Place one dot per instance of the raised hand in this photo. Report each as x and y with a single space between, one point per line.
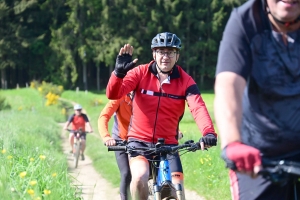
124 61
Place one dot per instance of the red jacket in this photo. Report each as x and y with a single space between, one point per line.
157 109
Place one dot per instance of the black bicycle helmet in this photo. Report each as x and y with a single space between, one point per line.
166 39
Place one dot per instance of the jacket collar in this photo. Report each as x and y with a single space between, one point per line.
174 74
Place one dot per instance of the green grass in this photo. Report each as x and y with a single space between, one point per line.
204 171
32 163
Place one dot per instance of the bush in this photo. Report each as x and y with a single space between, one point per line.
3 104
49 91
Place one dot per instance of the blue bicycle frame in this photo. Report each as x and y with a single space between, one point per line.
162 186
162 179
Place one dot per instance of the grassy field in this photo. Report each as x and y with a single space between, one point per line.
32 163
204 170
33 146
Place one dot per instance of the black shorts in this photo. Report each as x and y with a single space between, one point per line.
243 187
82 136
174 160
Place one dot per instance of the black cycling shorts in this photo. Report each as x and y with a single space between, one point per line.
174 160
82 136
243 187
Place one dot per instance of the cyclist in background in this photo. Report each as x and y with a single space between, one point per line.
257 93
121 109
161 89
78 121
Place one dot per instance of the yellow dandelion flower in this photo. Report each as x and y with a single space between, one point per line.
42 157
9 157
40 89
30 191
37 198
201 160
20 108
33 183
31 159
54 174
23 174
3 151
48 96
47 192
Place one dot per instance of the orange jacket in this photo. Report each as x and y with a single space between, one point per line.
123 111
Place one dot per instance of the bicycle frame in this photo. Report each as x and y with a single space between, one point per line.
77 145
162 181
77 148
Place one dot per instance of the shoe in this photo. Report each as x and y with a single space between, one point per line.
82 157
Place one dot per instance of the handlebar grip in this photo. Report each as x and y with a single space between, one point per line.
116 148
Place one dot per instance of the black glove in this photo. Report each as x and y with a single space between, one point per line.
209 140
123 65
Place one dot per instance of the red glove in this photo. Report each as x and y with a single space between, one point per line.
241 157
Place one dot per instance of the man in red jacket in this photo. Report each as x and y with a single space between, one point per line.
161 89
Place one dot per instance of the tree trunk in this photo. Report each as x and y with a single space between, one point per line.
84 76
202 69
98 78
3 79
110 70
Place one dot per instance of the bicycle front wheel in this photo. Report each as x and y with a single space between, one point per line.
76 154
150 188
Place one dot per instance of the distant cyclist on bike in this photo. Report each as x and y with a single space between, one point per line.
161 89
257 102
121 110
78 120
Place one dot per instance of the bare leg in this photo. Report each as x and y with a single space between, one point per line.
71 140
139 168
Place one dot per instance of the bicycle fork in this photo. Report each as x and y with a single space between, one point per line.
164 181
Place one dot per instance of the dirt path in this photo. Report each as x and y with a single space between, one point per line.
93 186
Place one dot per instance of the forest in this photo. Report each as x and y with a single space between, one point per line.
74 43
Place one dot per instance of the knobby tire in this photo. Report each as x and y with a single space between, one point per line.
77 153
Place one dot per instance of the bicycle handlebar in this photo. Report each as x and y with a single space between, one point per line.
190 145
73 131
116 148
